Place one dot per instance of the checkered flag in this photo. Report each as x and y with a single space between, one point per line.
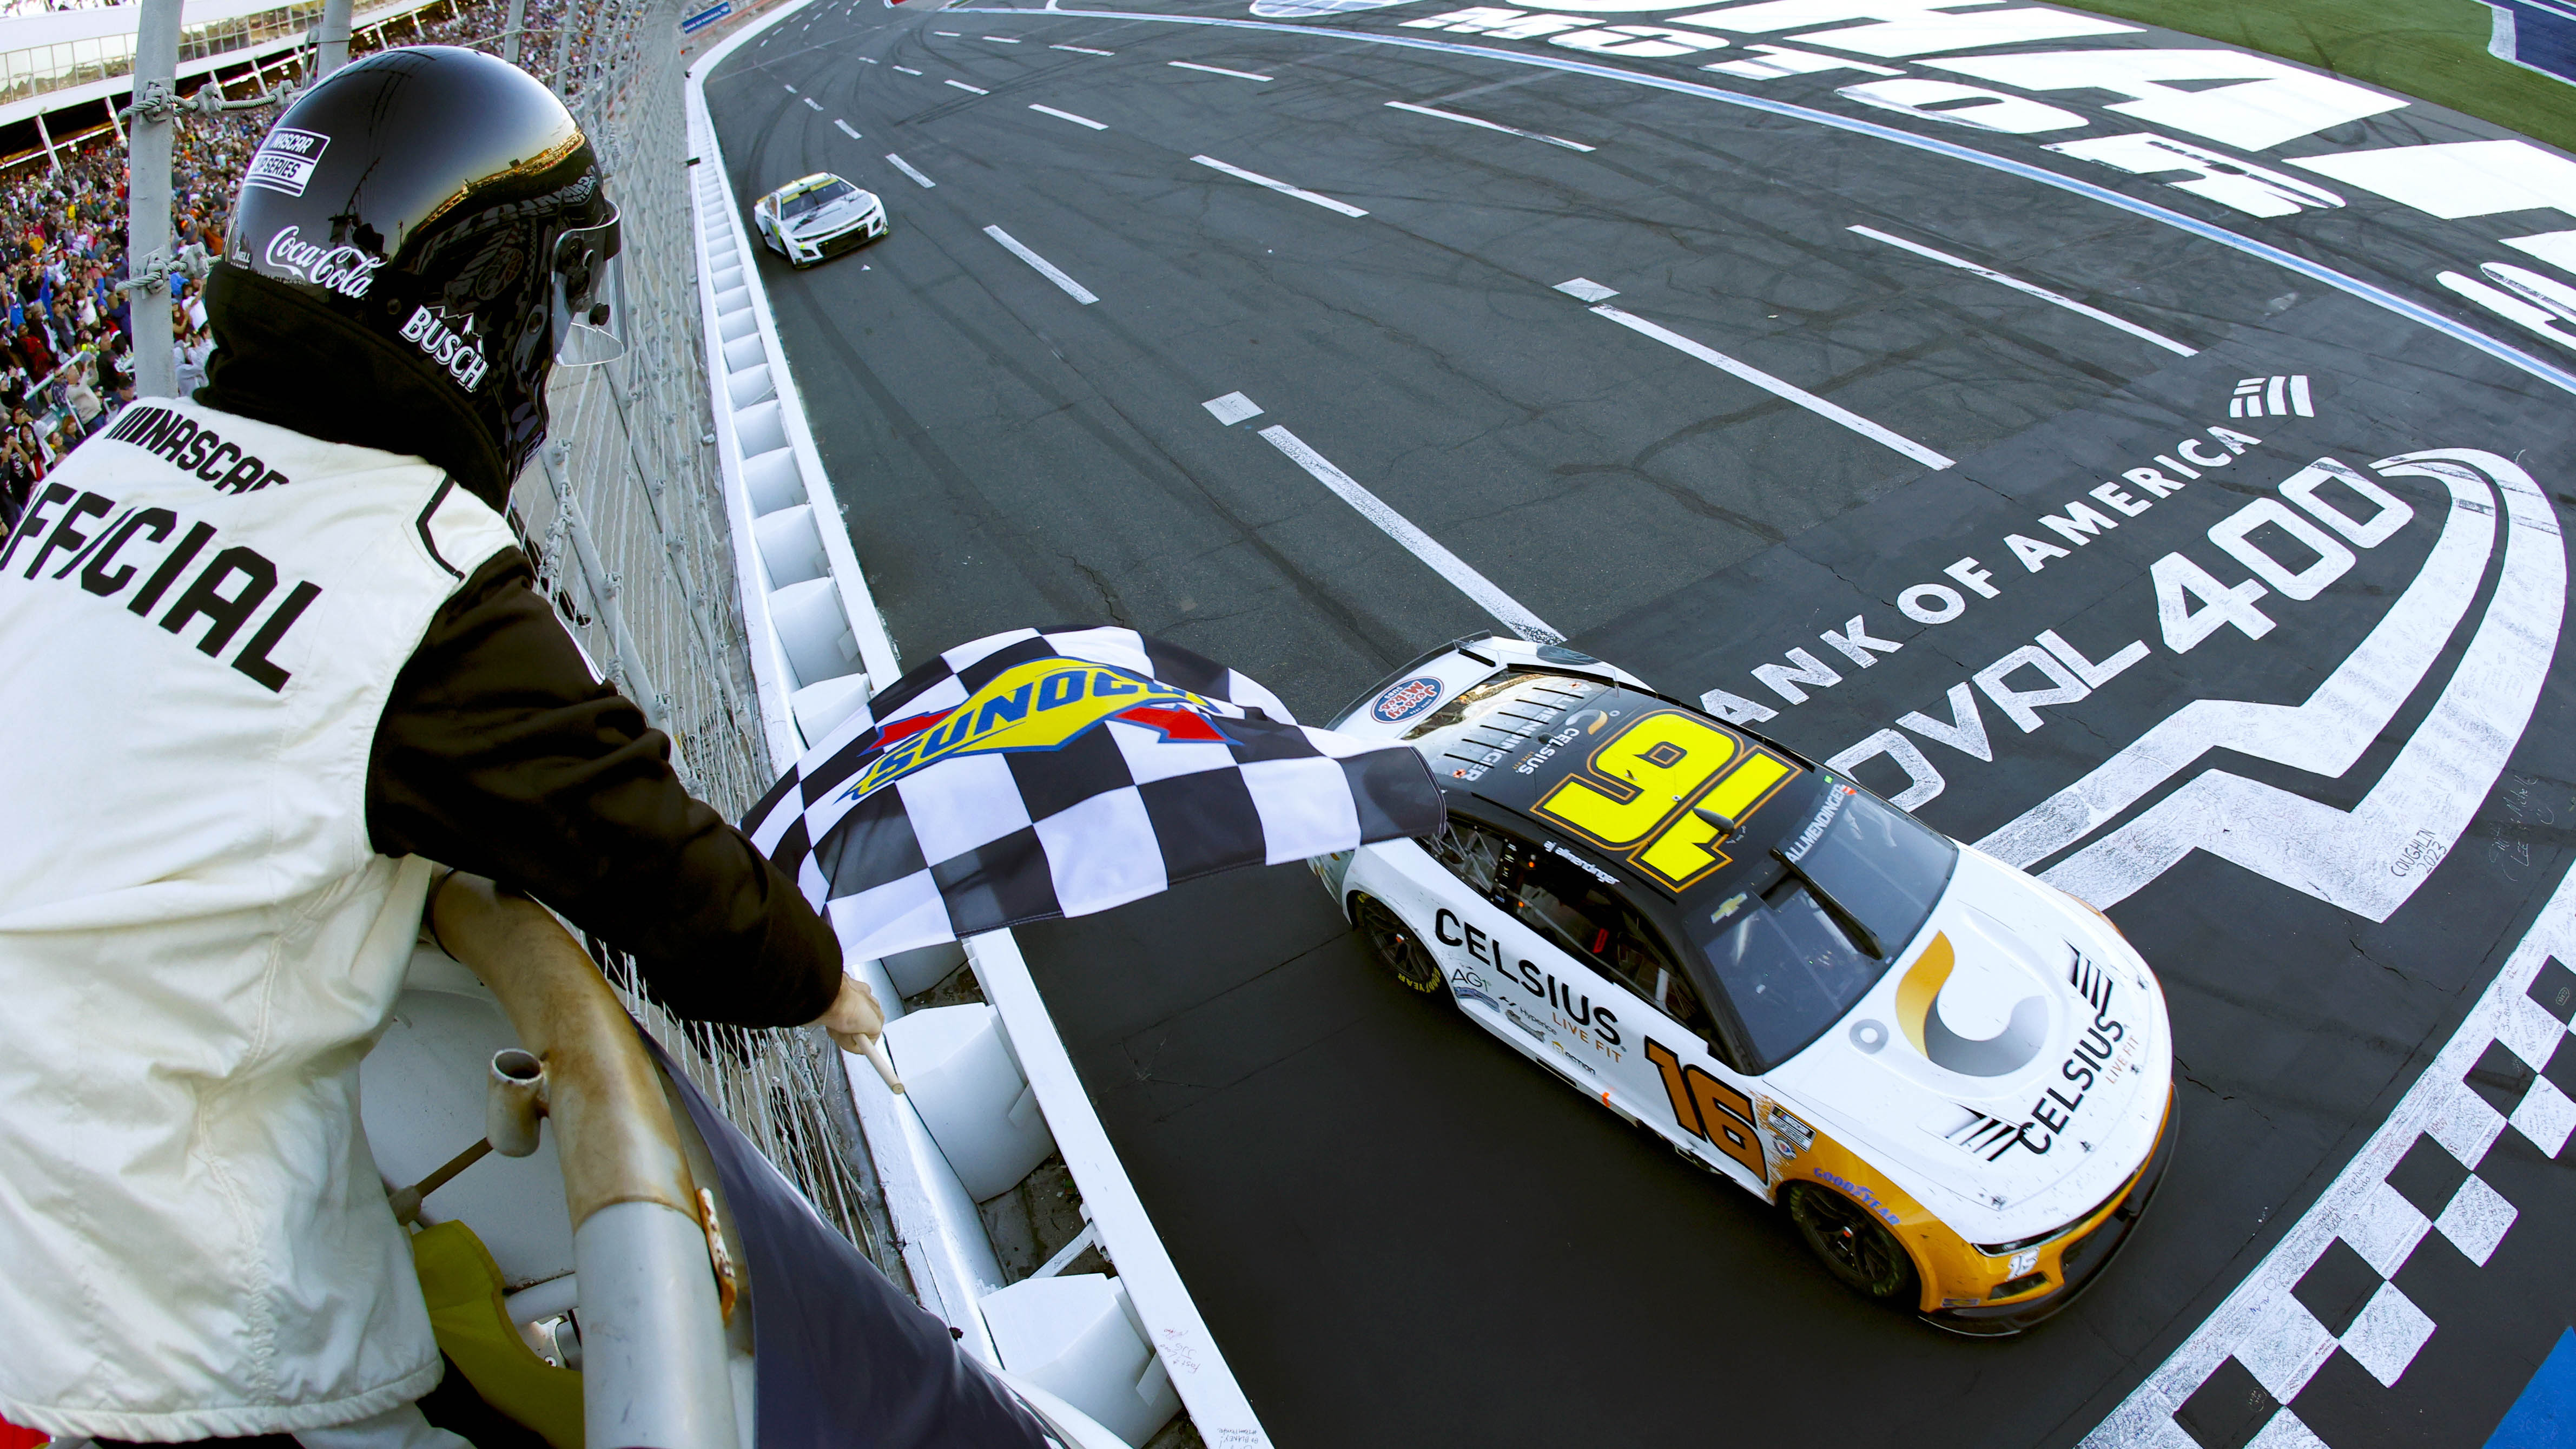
1033 774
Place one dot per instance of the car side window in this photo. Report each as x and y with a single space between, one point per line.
1472 853
1587 918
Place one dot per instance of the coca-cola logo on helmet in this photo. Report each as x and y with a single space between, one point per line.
342 269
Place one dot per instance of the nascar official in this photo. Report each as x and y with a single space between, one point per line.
265 655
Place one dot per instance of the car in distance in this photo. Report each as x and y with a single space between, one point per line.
818 216
1956 1079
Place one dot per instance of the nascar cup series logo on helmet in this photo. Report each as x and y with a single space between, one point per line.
342 269
1044 704
285 160
1406 700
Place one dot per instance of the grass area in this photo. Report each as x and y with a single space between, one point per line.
2432 49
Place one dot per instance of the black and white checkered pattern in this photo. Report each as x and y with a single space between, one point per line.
982 840
2330 1291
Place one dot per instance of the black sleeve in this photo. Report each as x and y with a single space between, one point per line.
499 754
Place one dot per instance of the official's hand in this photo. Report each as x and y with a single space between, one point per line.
855 1023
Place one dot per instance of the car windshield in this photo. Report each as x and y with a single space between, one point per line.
1852 883
821 196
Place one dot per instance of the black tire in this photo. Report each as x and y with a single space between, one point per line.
1853 1245
1396 946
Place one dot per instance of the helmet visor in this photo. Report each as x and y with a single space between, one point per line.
589 289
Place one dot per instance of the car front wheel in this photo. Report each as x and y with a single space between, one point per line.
1396 946
1853 1245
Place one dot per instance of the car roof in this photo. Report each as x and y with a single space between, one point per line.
1503 748
803 184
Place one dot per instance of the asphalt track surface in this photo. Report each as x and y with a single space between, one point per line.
1399 1231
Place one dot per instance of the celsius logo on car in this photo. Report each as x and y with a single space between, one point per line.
1918 1016
345 270
430 333
1406 700
285 160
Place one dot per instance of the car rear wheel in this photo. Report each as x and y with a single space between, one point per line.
1397 946
1853 1245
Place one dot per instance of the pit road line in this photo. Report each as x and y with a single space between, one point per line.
1068 116
1282 187
1789 391
1217 70
1506 609
2029 289
1045 268
1494 126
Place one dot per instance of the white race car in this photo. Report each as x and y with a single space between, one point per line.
1956 1079
818 216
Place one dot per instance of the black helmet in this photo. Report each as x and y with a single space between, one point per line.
442 205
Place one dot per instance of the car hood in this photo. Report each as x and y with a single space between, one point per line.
832 218
2010 1071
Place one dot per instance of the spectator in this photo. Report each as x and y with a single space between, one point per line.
83 400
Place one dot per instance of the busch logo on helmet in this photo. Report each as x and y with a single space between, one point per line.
431 334
345 270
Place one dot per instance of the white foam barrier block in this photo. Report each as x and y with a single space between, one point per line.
751 385
760 429
738 325
1077 1337
789 546
745 352
914 972
814 630
820 707
771 482
958 1069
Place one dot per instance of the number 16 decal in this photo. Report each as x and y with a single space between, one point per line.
1709 1109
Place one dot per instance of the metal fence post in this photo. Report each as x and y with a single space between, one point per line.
147 213
332 39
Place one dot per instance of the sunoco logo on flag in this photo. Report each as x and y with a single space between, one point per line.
1037 774
1041 705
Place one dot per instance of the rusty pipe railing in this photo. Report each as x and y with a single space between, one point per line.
652 1332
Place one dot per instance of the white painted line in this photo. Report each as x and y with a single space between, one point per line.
951 34
791 90
1217 70
1490 125
1778 388
1232 408
1045 268
870 59
905 167
1421 545
1587 289
845 128
961 85
1068 116
907 70
1179 1334
1282 187
1082 50
809 100
998 39
2028 289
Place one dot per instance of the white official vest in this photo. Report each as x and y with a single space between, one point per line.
200 621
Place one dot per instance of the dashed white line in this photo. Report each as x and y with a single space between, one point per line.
951 34
961 85
999 39
1232 408
870 59
1045 268
1282 187
1068 116
1490 125
809 100
1217 70
791 90
1832 412
1421 545
845 128
2028 289
1082 50
905 167
907 70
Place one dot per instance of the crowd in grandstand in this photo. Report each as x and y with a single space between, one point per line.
66 334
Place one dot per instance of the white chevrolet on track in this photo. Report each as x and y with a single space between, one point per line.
818 216
1956 1079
